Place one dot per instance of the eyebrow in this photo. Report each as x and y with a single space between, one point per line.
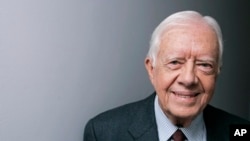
207 60
170 57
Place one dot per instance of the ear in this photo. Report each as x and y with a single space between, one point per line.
219 69
150 68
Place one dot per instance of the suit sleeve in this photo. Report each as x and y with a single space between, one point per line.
89 133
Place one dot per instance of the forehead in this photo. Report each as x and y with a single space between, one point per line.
193 39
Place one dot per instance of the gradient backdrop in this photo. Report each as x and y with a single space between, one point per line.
64 61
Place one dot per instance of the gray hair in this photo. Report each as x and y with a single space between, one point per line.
181 18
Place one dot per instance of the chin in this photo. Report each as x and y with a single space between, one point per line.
186 113
183 119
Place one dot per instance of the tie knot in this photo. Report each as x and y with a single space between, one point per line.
178 136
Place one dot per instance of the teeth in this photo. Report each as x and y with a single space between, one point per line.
184 96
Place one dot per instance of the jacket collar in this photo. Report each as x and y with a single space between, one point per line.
143 127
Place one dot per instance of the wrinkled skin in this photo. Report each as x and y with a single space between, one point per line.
185 72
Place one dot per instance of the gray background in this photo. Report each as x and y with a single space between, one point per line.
64 61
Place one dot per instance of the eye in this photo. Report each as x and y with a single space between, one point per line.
206 67
174 64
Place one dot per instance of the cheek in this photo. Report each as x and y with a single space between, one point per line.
162 81
208 84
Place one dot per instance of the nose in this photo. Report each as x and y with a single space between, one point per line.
188 76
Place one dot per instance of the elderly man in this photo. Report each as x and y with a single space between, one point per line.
183 63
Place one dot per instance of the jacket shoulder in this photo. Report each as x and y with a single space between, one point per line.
218 123
124 112
115 123
214 115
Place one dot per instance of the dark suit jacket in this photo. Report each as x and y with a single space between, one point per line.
136 122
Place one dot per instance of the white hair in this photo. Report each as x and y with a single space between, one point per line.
182 18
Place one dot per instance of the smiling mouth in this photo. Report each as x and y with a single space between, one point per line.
186 95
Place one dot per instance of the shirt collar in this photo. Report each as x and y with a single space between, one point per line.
195 132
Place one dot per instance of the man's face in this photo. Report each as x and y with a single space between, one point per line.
185 71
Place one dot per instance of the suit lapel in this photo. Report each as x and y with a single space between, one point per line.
143 127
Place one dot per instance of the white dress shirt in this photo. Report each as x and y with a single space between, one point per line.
195 132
